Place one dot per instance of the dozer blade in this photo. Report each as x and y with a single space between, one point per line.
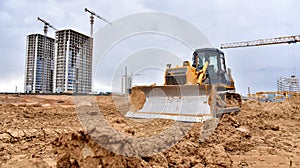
187 103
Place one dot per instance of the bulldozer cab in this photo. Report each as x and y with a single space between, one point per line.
216 70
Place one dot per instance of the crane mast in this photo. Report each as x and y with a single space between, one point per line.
260 42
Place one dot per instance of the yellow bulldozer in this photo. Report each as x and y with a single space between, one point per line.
192 92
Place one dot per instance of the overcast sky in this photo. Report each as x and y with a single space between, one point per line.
221 21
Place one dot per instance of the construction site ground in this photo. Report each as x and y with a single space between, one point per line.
44 131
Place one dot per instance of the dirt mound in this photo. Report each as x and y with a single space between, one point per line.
78 150
260 135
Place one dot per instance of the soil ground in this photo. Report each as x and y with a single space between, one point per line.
45 131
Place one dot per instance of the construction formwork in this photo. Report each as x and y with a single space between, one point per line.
39 64
73 62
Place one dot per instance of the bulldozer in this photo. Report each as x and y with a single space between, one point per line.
192 92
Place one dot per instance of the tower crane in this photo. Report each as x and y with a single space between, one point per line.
260 42
45 59
92 19
46 25
91 29
269 41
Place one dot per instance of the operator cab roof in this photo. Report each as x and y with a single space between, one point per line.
208 49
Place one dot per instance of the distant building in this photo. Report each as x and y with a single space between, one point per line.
288 84
39 64
73 62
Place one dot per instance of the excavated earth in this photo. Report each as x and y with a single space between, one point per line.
45 131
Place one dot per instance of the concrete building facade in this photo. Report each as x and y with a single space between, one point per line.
39 64
73 62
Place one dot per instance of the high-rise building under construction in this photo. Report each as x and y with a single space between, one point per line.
285 84
39 64
73 62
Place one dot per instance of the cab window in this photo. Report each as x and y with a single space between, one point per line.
213 62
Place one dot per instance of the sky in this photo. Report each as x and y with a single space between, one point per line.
221 21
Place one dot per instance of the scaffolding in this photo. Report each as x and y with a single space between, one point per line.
73 62
39 64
